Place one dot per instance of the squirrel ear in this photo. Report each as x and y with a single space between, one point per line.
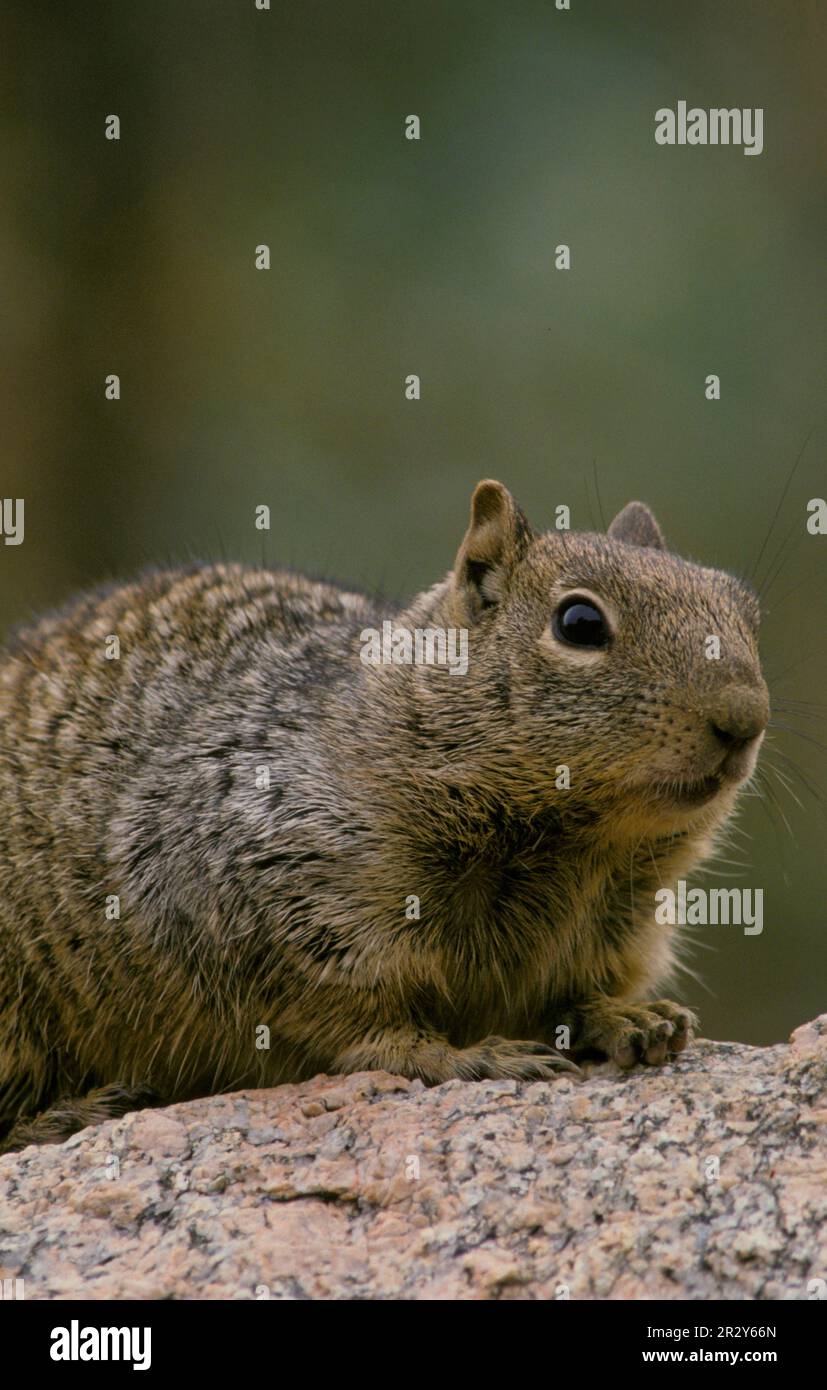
636 526
497 537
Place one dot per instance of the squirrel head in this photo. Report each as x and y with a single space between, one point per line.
636 670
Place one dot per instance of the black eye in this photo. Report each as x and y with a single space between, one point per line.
578 621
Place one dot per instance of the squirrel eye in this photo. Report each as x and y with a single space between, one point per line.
578 622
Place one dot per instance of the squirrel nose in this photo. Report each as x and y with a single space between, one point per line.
739 715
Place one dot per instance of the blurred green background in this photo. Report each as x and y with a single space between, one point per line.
240 386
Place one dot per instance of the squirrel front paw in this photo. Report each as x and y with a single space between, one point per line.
632 1033
500 1059
432 1059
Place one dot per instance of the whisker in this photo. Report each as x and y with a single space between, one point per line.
792 766
755 568
800 713
786 784
777 602
776 678
808 738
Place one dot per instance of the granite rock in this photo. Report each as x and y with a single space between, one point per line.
706 1178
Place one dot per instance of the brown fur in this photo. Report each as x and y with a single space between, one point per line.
285 905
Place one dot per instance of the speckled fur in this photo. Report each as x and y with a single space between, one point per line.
285 906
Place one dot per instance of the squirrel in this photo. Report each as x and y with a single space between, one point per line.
215 840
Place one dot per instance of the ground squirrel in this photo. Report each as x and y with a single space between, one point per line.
263 806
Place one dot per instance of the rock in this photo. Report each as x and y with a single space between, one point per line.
703 1179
